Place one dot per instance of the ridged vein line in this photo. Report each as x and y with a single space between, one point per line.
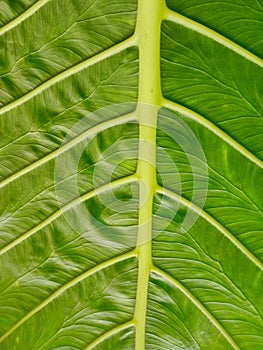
65 147
199 28
68 285
67 207
198 304
148 28
215 130
109 334
26 14
68 72
213 222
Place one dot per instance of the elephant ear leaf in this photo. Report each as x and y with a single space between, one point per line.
131 174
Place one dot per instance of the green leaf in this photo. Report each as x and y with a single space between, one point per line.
131 174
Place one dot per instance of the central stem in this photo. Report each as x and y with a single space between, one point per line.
150 15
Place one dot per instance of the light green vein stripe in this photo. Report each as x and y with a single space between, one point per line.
197 27
67 207
150 15
213 222
109 334
82 137
29 12
210 126
67 286
67 73
198 304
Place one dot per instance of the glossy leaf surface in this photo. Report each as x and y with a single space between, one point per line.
131 175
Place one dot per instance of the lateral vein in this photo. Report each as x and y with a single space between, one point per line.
197 27
198 304
108 334
68 72
216 130
26 14
65 287
64 209
90 132
213 222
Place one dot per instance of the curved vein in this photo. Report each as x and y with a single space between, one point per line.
212 127
109 334
131 117
67 207
65 287
68 72
197 27
212 222
198 304
26 14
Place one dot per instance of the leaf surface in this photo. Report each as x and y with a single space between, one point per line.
131 175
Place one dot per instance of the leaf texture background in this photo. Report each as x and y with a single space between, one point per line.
131 163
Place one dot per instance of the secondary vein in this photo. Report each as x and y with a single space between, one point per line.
26 14
217 131
197 27
68 72
198 304
108 334
65 287
65 147
66 208
212 222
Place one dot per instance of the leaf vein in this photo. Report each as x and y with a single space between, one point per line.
186 22
94 130
198 304
65 287
65 208
26 14
212 127
213 222
108 334
69 72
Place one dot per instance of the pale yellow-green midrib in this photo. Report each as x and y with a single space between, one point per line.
150 15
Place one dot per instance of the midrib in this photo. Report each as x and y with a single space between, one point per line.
150 15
